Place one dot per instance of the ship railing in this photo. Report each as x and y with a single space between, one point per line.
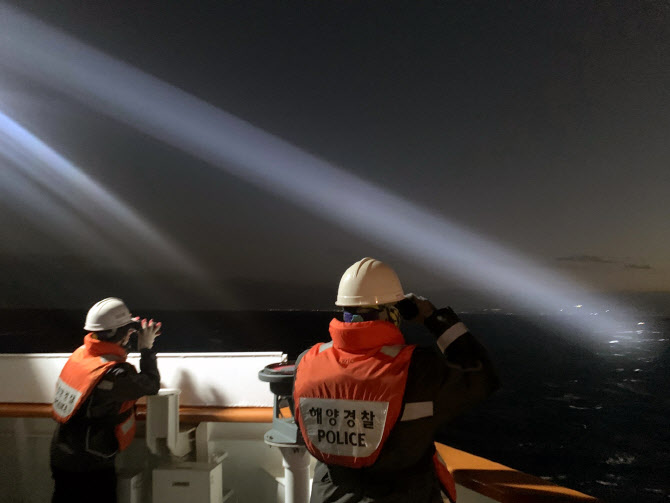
479 480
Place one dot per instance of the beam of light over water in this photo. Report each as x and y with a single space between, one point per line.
60 197
240 149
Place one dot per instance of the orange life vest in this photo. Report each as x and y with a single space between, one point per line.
81 374
349 393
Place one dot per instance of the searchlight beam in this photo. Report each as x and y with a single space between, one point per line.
242 150
56 194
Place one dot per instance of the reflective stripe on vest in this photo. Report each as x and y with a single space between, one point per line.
345 417
391 351
417 410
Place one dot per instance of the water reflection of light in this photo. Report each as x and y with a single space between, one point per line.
242 150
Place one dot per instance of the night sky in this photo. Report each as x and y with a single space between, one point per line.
540 126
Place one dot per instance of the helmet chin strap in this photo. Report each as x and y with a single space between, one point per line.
108 337
126 345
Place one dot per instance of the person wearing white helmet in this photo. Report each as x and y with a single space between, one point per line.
369 405
94 402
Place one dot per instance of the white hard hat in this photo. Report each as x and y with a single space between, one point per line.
108 314
367 283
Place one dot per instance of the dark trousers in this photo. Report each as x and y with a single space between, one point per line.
84 487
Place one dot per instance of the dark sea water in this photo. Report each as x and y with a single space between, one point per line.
587 410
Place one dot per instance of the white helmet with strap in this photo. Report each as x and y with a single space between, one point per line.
108 314
369 282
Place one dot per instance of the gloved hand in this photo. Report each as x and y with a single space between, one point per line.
415 308
148 333
444 319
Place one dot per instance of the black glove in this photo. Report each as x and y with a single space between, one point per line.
441 320
415 308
